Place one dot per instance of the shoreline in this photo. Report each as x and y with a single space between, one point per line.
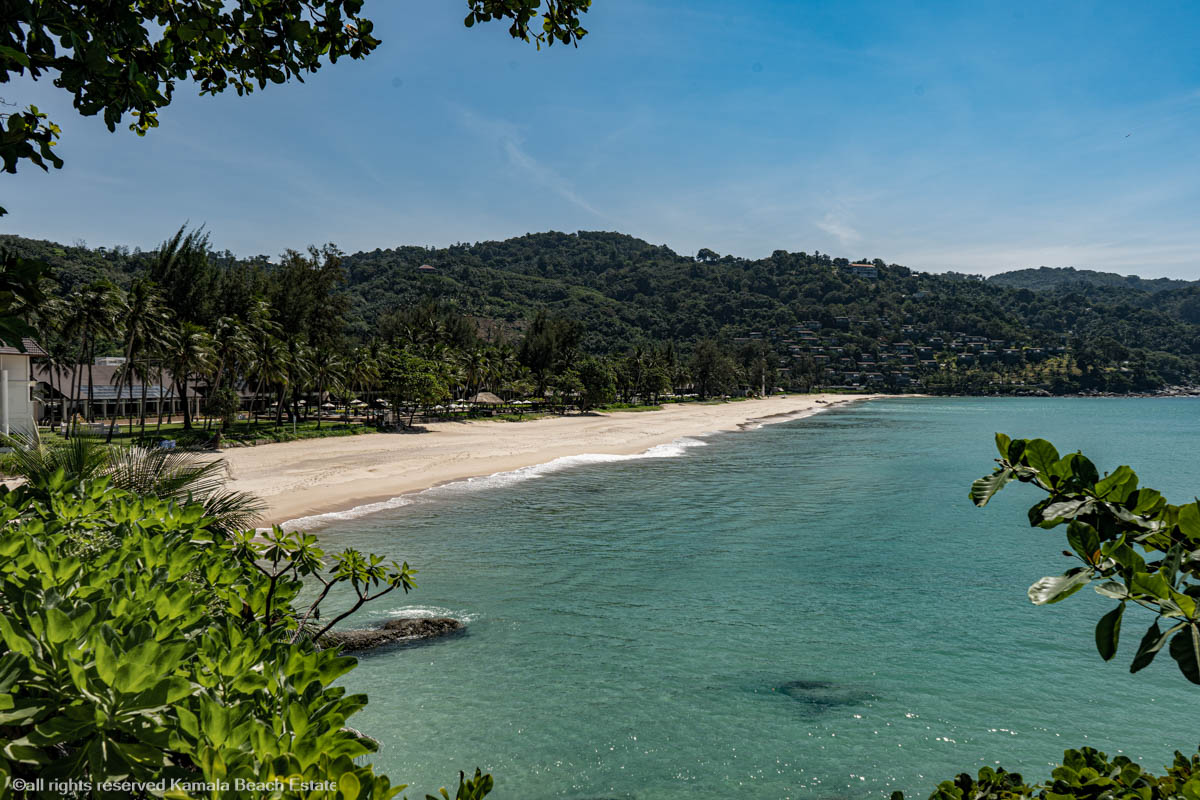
356 476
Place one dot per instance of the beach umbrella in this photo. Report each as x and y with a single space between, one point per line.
329 405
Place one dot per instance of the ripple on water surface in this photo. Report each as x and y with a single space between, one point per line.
812 609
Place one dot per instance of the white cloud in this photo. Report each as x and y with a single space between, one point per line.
836 225
512 142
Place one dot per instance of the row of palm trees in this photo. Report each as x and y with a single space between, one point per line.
251 364
238 363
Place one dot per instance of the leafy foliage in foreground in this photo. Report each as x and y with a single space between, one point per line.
1085 774
179 475
1113 527
139 644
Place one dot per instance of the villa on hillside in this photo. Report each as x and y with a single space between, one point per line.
16 394
862 270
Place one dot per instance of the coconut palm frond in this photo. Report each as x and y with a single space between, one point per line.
167 474
79 458
178 475
234 511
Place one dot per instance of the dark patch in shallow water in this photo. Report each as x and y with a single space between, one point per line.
819 696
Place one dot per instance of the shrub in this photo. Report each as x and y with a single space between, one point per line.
138 644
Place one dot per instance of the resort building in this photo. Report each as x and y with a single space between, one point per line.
17 413
67 388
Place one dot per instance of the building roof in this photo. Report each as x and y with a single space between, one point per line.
32 348
104 383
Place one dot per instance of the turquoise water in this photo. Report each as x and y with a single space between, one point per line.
812 609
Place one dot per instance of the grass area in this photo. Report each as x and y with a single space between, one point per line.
627 407
523 417
241 434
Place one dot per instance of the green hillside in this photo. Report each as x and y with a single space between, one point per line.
1043 278
818 317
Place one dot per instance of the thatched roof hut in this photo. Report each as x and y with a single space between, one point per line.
486 398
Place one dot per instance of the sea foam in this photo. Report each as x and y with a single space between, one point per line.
496 480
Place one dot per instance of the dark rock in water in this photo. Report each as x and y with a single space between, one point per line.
391 632
822 695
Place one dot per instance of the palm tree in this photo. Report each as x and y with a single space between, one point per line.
191 355
363 372
89 312
297 378
231 349
141 316
328 372
181 476
163 346
476 366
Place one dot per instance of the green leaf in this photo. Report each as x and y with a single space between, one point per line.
1108 632
58 626
348 786
23 752
1040 455
1055 588
1002 443
21 711
1153 585
15 55
1185 649
1083 540
1083 469
1113 589
983 489
106 662
1064 509
1118 486
1189 520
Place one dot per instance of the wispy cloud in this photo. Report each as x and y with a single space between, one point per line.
512 142
835 224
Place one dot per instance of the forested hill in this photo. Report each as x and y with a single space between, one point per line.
622 291
1043 278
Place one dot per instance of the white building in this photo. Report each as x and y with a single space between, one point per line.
16 388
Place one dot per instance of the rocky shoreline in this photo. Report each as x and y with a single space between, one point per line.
395 631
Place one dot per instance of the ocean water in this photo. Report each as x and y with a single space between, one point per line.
810 609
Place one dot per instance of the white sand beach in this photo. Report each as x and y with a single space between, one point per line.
318 476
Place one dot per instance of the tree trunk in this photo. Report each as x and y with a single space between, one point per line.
91 383
142 409
187 410
112 425
253 403
162 384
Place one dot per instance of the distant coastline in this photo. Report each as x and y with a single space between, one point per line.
352 476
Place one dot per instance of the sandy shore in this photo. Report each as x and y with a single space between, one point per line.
318 476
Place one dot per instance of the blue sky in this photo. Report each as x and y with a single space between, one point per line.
970 136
